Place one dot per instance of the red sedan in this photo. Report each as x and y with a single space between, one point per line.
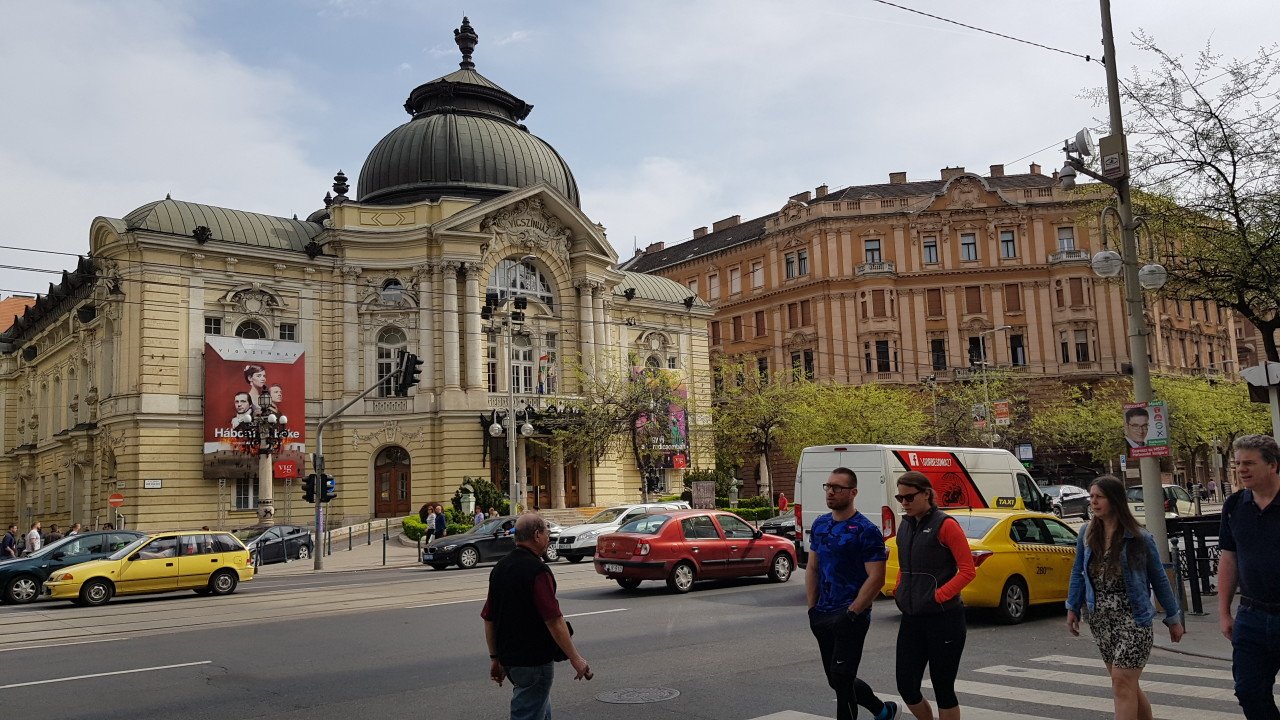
682 546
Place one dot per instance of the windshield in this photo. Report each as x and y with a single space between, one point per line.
975 526
607 516
649 525
1052 490
125 551
52 547
1134 493
488 527
248 535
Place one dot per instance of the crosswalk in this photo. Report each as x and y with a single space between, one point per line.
1064 687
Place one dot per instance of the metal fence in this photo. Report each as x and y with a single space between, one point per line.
1193 545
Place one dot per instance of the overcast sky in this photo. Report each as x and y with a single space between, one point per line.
671 114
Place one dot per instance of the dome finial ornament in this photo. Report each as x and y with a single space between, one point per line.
466 38
340 186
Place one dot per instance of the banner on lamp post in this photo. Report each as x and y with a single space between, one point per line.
1146 429
1002 410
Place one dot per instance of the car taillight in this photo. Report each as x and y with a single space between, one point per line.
888 521
799 524
1168 505
642 549
980 556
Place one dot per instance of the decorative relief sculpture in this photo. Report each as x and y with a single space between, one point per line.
527 225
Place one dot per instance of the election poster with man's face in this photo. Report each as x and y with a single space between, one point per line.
245 380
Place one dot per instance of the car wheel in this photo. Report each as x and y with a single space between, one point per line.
96 592
1013 601
628 583
573 558
780 569
681 578
223 583
1088 514
551 555
468 558
304 552
22 589
439 566
1057 510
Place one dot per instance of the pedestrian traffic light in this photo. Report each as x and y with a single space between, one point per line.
519 305
309 488
328 488
407 373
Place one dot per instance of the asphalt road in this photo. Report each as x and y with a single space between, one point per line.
409 643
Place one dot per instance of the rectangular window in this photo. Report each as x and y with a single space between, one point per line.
1193 310
973 299
877 303
693 286
1077 291
1065 346
713 286
968 246
802 262
735 281
246 494
715 332
790 262
212 326
793 316
933 301
757 275
1012 297
938 352
737 328
866 355
1008 245
386 366
1082 346
288 331
797 365
808 365
977 350
930 250
760 323
872 251
762 368
1017 351
806 313
882 356
492 372
1066 238
671 363
1059 294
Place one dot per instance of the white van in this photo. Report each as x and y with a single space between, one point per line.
961 477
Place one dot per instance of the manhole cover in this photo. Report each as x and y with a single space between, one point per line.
623 696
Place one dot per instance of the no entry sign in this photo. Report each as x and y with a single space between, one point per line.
116 500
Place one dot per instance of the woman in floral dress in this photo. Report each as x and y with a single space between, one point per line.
1117 567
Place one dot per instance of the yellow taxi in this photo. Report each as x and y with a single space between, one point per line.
208 562
1022 558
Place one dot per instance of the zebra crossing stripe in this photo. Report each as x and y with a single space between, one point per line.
1179 670
1083 702
970 713
1102 681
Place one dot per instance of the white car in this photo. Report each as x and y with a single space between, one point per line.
579 541
1177 502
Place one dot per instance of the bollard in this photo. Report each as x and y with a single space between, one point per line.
348 538
368 533
384 549
1193 570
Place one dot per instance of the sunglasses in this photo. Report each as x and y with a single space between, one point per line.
908 497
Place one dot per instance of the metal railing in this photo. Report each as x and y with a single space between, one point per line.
1194 551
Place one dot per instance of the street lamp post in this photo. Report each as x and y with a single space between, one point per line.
986 388
269 430
509 314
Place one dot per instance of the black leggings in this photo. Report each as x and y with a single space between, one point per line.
840 638
936 641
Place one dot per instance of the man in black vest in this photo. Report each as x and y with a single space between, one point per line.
523 626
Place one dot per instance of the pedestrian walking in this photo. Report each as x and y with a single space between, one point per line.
9 544
53 534
75 529
493 513
523 626
1247 561
845 573
935 565
442 522
430 522
479 517
1116 569
35 540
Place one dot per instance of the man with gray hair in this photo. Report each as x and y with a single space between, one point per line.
1247 539
523 625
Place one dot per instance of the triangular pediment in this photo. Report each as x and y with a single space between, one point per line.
537 217
967 192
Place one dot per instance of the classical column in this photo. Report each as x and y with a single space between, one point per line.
452 349
350 333
601 326
586 492
557 476
471 328
426 324
522 471
586 331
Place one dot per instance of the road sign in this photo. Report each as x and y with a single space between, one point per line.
116 500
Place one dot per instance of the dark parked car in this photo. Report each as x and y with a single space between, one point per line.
783 525
20 578
489 541
276 543
1068 500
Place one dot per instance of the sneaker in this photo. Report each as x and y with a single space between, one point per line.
890 711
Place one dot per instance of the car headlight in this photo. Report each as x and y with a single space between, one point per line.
447 548
59 577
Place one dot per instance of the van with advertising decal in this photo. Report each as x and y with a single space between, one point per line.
961 477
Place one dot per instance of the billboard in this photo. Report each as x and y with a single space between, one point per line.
244 380
665 436
1146 429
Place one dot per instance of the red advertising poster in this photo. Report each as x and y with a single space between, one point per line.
951 482
245 383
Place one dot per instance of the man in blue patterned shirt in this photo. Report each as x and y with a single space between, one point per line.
845 573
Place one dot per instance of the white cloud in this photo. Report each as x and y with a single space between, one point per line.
514 37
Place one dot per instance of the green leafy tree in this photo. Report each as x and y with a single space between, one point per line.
959 404
1204 415
487 495
1084 418
830 414
747 415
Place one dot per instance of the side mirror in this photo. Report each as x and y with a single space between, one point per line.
757 534
135 556
58 555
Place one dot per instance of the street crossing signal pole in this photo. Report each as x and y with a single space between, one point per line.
407 367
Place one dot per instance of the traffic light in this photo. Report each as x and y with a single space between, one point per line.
309 488
519 304
407 372
328 488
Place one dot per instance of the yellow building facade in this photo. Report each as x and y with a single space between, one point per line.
102 388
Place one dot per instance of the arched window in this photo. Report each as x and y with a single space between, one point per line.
523 278
392 292
653 362
391 340
251 330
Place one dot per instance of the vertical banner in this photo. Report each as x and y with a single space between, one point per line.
1003 410
1146 429
245 380
666 434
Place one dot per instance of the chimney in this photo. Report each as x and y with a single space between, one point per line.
699 232
897 178
820 191
997 171
1035 169
655 247
952 172
803 197
728 222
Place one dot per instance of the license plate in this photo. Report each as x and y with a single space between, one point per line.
427 556
613 568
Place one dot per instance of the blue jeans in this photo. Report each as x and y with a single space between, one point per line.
531 691
1255 660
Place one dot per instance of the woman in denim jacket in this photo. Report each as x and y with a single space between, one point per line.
1117 567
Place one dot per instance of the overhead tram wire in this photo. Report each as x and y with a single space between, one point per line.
975 28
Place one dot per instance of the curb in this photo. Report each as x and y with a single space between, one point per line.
1180 651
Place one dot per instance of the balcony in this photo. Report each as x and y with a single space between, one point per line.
394 405
871 269
1068 256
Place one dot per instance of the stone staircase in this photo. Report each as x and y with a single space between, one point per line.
569 516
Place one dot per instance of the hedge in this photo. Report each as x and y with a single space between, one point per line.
415 529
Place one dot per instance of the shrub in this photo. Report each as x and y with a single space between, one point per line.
487 495
414 528
758 501
457 528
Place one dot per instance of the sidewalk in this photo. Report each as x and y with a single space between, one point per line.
363 555
1203 639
